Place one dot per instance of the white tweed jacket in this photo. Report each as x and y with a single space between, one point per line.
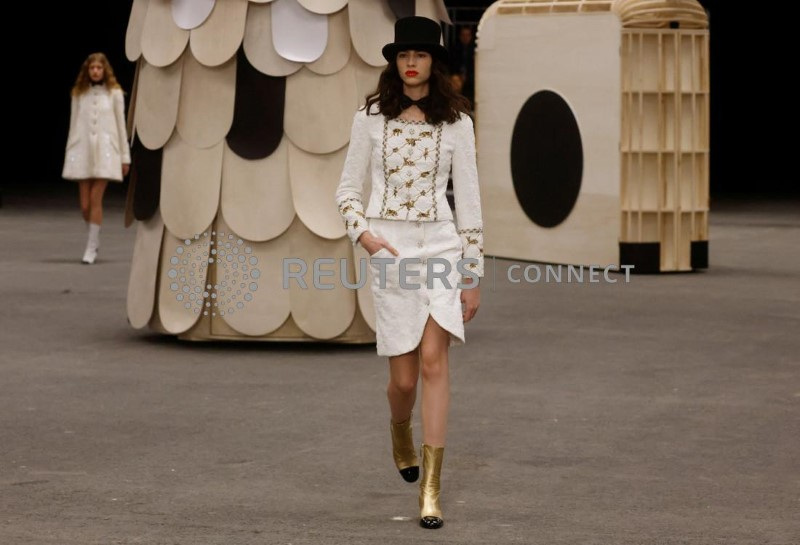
409 164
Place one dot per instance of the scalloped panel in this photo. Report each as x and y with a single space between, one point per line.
130 127
249 285
298 34
257 127
128 217
182 273
190 186
324 7
130 119
314 179
367 77
375 23
258 45
162 40
432 9
205 111
319 109
320 313
189 14
157 95
144 271
256 195
337 52
133 34
217 40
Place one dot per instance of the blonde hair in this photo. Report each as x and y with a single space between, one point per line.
83 81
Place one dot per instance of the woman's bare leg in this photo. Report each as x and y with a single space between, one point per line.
435 383
402 388
84 192
98 189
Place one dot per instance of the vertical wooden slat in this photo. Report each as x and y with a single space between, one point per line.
640 128
678 146
693 181
624 195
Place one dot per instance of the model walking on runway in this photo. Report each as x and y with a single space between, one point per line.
411 134
97 145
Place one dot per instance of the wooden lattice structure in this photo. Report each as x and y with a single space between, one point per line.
665 134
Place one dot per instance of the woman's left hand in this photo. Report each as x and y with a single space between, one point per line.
125 169
471 299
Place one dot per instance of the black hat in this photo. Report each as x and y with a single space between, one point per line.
418 33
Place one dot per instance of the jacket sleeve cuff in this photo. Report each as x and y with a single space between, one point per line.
355 221
472 248
355 232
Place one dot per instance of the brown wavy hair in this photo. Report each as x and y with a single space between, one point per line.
83 81
445 102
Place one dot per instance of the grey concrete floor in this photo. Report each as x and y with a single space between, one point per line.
665 410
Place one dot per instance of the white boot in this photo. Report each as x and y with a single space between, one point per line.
92 245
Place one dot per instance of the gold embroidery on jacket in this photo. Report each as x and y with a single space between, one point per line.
410 170
472 240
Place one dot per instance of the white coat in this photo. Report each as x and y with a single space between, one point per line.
97 145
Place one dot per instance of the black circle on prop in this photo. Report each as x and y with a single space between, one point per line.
546 159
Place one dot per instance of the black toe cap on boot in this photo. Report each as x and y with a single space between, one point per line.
410 474
431 523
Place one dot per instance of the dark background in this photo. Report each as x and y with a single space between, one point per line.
748 96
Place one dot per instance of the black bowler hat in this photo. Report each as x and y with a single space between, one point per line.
418 33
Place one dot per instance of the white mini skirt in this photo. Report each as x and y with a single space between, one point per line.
401 312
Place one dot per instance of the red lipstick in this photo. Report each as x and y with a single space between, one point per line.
411 73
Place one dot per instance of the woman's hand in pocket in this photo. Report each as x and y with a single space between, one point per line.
373 244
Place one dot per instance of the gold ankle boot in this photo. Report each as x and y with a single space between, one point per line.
405 457
430 512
